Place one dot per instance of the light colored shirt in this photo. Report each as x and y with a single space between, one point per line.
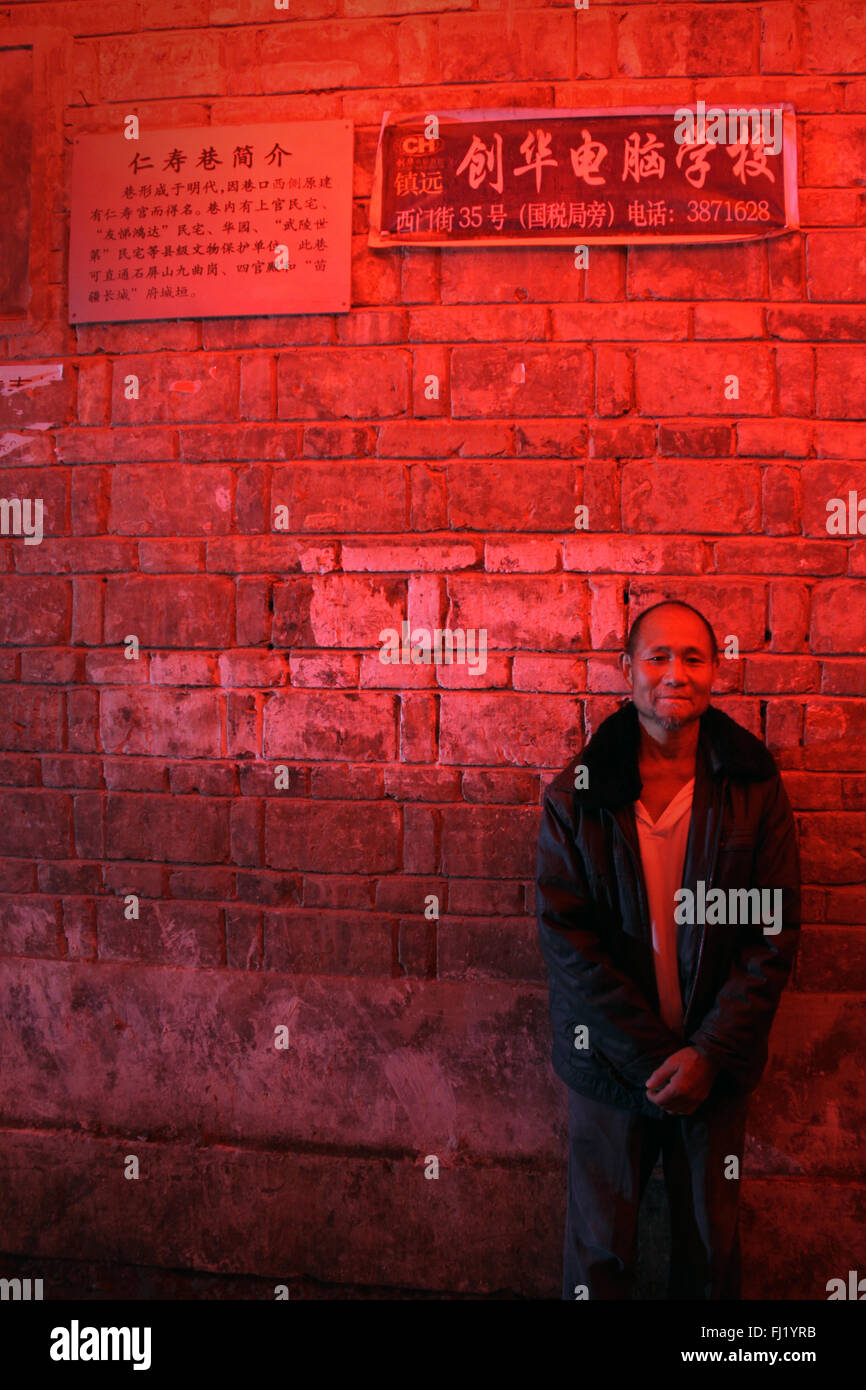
663 853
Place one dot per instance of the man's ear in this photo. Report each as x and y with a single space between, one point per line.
625 665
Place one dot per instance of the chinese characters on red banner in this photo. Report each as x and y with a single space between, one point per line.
560 176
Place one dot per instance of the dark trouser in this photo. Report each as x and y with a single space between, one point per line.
611 1156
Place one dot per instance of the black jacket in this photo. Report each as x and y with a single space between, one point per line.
594 926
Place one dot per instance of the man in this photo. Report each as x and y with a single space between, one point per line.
661 1014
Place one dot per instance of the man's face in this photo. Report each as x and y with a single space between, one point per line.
672 673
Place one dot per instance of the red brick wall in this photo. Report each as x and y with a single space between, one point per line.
306 906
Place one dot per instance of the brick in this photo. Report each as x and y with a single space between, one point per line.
528 613
32 719
431 375
782 675
483 841
330 724
420 840
622 439
475 675
781 501
170 557
823 23
337 610
478 47
366 327
321 836
607 614
151 65
840 383
30 928
244 943
755 555
523 380
37 824
844 677
515 273
630 322
79 929
550 439
167 933
429 498
795 374
484 896
297 56
774 438
327 943
690 496
170 501
414 783
194 611
19 771
359 383
701 441
34 611
685 40
509 787
341 497
699 272
605 273
379 675
838 616
443 323
175 387
175 724
257 396
412 556
521 730
208 779
496 496
521 557
418 737
251 489
835 737
185 829
334 891
613 381
838 439
595 44
319 669
817 323
416 949
780 49
555 673
691 379
833 846
489 948
437 439
786 267
832 151
88 597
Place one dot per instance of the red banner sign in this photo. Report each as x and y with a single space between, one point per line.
518 177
